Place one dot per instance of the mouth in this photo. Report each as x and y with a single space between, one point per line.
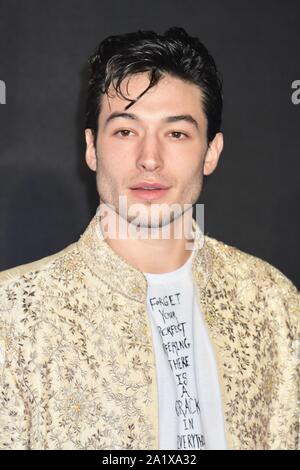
149 191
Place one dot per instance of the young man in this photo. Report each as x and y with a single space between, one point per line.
131 340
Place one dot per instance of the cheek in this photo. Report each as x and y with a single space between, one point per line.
189 174
111 158
113 172
116 154
187 165
191 180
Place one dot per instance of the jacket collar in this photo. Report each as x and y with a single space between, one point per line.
115 271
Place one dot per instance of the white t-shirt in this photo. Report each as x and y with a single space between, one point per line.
190 409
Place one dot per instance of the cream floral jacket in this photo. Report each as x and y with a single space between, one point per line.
77 363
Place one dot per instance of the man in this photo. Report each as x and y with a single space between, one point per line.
128 341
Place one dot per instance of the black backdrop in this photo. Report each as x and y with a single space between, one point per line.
47 193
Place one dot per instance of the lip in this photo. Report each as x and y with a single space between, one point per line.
148 184
149 195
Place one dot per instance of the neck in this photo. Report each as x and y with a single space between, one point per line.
152 250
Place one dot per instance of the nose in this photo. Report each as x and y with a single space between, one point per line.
149 154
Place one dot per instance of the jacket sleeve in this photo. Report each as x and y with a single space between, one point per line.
291 299
293 306
281 288
14 418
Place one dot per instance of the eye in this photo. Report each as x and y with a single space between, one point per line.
178 134
124 132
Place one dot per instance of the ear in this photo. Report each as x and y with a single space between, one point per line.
213 153
90 153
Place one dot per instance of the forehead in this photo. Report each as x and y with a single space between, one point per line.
170 96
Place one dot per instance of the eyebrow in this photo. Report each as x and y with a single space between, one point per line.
182 117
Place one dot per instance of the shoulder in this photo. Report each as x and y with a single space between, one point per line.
24 288
252 278
40 266
30 292
238 262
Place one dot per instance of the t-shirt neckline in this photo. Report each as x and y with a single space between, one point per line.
171 275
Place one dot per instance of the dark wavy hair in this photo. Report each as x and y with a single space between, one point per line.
175 53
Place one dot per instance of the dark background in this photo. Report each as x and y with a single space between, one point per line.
48 194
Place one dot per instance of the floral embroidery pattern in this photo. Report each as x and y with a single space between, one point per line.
77 369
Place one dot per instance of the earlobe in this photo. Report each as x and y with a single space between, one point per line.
90 153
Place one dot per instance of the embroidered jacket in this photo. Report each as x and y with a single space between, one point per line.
77 363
